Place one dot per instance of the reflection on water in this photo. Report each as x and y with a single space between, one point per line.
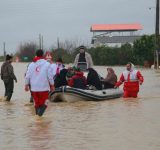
123 124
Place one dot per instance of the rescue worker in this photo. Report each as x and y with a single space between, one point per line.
131 78
48 57
56 69
39 78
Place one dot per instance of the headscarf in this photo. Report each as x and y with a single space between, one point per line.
93 79
111 70
132 65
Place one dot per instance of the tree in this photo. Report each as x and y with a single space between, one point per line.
26 51
65 55
144 49
125 54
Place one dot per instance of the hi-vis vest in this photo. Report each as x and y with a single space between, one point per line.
131 80
130 76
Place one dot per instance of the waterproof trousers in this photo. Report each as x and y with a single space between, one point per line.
40 101
130 94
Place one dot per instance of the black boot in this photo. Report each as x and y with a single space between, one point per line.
9 97
42 109
31 99
37 110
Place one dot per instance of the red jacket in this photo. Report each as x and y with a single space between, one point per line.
78 75
131 80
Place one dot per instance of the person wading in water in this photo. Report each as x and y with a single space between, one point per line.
8 77
40 81
131 79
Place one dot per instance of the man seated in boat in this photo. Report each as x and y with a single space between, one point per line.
83 60
77 80
110 80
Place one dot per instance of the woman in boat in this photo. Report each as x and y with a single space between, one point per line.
83 59
110 80
93 79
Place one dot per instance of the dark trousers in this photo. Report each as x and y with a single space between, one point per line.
9 85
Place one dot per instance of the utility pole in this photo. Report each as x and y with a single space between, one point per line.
4 50
40 41
157 38
58 47
57 43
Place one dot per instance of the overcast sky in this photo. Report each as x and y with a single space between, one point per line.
22 20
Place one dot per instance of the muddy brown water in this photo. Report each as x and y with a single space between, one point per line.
119 124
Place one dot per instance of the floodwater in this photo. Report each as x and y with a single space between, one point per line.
120 124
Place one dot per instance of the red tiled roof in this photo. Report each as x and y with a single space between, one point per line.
115 27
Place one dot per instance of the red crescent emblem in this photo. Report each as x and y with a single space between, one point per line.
37 69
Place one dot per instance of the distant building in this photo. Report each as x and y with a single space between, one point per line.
115 34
